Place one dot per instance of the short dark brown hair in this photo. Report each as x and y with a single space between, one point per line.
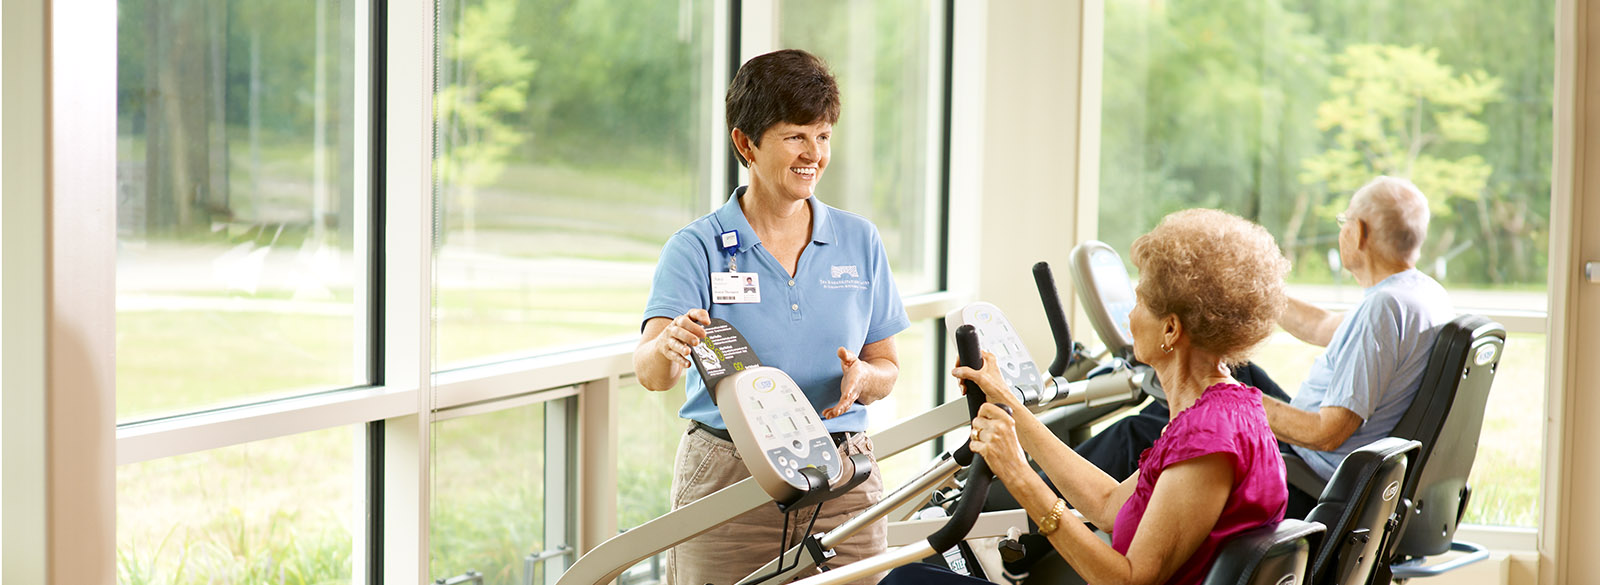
1219 273
782 86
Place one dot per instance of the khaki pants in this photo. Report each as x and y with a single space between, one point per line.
738 547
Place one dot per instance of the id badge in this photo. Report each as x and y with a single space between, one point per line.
735 287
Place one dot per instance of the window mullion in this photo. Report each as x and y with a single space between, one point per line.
408 282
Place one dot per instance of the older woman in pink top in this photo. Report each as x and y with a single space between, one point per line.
1210 289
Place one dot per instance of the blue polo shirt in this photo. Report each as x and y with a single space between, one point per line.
1374 362
842 295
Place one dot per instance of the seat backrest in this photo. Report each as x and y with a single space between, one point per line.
1446 417
1277 554
1359 508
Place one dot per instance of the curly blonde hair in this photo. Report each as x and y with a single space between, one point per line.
1221 275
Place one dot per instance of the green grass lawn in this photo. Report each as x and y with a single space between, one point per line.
473 326
171 361
278 511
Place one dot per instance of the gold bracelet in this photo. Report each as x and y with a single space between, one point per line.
1051 522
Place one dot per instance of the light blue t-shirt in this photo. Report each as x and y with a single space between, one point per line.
1374 363
842 295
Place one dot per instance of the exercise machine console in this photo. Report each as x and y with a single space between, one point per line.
767 414
1107 292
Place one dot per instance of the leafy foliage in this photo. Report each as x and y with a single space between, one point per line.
1278 109
1392 108
489 77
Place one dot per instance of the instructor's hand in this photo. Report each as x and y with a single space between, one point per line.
677 341
850 386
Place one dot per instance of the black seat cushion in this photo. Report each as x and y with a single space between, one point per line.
1447 417
1358 506
1267 555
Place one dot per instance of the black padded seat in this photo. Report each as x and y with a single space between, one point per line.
1277 554
1447 417
1361 508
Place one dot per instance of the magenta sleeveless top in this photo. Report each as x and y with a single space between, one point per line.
1227 418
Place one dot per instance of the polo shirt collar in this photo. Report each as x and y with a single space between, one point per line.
731 217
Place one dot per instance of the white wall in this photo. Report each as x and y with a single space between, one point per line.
22 292
1016 165
59 251
1571 480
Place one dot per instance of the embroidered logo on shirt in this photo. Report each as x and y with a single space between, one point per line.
846 277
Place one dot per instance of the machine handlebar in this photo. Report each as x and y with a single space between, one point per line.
971 356
1046 282
973 496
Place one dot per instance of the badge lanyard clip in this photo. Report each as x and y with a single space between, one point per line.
730 244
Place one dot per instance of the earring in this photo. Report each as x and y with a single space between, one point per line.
1166 348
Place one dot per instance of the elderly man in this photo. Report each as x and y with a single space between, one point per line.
1358 389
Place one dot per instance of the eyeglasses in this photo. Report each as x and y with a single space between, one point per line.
1342 219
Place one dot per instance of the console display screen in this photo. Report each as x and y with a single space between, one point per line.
1115 290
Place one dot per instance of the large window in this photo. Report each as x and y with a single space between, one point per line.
920 387
888 58
571 142
275 423
649 427
242 278
239 202
648 424
1277 110
491 476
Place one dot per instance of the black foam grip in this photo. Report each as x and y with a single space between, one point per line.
963 454
966 513
1046 281
969 355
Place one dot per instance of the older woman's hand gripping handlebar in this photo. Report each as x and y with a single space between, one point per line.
994 436
989 379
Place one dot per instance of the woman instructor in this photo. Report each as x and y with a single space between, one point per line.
807 284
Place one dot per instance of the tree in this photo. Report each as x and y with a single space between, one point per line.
1398 111
1206 103
186 173
489 85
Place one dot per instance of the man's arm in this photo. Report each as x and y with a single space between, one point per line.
1323 430
1310 323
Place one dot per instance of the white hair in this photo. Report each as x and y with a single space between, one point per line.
1398 213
